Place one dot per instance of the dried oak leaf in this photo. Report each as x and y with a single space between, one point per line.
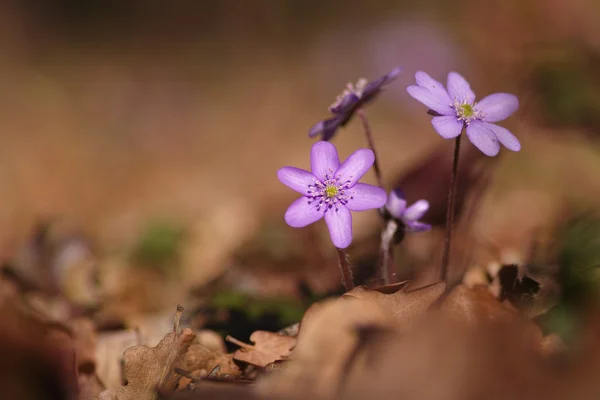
146 367
268 347
404 305
202 361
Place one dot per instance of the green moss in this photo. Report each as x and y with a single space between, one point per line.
159 245
288 311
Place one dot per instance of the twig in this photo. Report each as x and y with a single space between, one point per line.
385 250
371 142
347 279
172 352
450 211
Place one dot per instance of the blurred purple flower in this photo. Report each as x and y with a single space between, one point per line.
351 99
455 108
408 216
331 191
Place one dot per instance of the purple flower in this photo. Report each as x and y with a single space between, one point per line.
408 216
351 99
456 108
331 191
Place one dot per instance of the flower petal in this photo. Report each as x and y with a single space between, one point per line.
459 89
300 213
447 126
326 127
504 136
483 138
346 104
296 178
416 211
339 222
365 197
373 88
498 106
416 226
356 165
324 160
439 104
396 203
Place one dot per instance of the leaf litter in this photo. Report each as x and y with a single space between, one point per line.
475 340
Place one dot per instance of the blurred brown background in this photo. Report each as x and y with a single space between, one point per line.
116 112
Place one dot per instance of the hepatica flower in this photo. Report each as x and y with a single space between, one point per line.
347 103
409 217
331 190
456 108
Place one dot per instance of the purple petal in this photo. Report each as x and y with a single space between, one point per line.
296 178
459 89
326 127
355 166
324 160
504 136
498 106
374 87
416 226
300 214
447 126
416 211
483 138
439 104
365 197
339 222
396 203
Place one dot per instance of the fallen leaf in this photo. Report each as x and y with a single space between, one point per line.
268 347
404 305
150 368
203 361
325 343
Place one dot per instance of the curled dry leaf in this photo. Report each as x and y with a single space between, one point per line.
326 341
404 305
145 367
268 347
200 361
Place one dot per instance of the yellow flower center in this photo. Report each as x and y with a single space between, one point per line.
331 191
466 111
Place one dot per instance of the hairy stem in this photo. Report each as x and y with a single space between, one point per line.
450 211
371 142
347 279
385 250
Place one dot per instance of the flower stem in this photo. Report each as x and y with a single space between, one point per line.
371 142
347 279
385 250
450 211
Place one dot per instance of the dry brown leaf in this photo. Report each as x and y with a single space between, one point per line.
200 358
268 347
145 367
404 305
325 344
150 368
